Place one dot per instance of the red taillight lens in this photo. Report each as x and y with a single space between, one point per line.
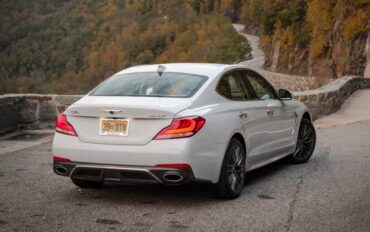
181 128
61 159
63 126
178 166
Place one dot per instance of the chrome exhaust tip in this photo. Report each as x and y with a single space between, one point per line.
60 170
173 177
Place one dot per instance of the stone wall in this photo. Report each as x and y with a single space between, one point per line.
35 111
31 111
330 97
290 82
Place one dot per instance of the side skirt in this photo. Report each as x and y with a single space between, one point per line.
275 156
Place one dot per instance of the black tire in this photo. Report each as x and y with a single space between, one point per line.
233 165
87 183
306 143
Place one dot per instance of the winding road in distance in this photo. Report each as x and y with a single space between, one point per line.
355 109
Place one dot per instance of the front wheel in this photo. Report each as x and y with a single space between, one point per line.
306 142
232 175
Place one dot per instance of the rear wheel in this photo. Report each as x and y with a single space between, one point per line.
87 183
306 142
232 176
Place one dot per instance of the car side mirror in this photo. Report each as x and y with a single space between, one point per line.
285 94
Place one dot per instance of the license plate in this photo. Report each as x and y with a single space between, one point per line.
114 127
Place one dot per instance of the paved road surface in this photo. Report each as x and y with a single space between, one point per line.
355 109
329 193
258 55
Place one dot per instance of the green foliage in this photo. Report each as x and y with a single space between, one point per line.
70 46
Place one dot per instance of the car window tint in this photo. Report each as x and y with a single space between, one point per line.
230 87
246 86
151 84
261 87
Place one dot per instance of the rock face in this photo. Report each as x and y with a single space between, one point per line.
275 56
279 80
343 58
367 51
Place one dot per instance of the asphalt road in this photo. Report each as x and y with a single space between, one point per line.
329 193
258 55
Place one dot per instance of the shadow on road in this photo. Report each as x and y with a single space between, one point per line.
196 194
265 172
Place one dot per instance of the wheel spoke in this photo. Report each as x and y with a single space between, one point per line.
308 141
297 151
308 134
239 174
301 151
238 162
307 145
232 181
237 155
304 150
238 180
302 132
233 156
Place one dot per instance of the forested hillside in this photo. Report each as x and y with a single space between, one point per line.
324 38
57 46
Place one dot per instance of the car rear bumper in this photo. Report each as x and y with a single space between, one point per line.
203 155
128 174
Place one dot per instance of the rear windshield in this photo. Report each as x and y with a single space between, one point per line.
151 84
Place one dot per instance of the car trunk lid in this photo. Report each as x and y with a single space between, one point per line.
146 117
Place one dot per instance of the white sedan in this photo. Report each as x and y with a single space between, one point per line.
179 123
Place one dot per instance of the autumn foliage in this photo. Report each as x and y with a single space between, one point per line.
322 38
308 24
56 46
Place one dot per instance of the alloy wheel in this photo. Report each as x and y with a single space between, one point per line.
236 168
305 142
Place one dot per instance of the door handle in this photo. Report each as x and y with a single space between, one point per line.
270 111
243 115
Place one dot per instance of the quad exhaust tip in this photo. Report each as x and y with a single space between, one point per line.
173 177
61 170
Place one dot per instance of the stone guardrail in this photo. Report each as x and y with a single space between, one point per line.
37 111
31 111
330 97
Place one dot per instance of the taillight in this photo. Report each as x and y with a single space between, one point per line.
63 126
177 166
181 128
61 159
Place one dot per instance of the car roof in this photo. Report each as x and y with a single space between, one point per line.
205 69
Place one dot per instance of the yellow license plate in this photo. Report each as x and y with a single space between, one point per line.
114 127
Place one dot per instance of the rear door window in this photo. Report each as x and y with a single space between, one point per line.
231 87
262 88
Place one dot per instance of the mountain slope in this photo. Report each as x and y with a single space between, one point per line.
59 46
323 38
